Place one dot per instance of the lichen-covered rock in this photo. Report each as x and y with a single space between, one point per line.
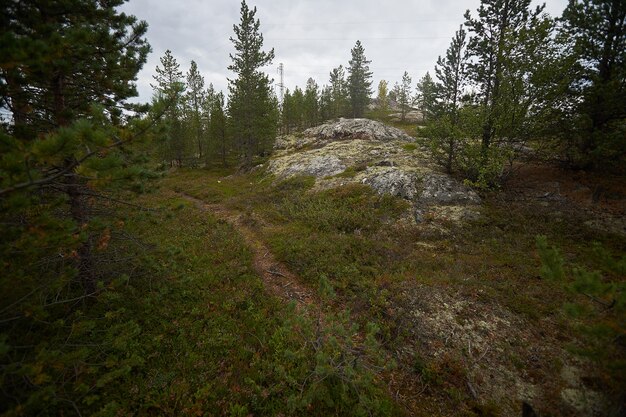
320 166
378 156
357 129
444 190
413 116
393 181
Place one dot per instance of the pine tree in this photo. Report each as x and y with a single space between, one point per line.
326 103
359 81
195 98
404 95
496 38
217 126
251 109
207 105
426 96
339 92
170 88
58 58
446 138
311 103
297 106
66 71
395 91
595 33
450 72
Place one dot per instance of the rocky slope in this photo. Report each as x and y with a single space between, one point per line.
383 157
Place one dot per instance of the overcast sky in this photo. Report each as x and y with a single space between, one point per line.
310 37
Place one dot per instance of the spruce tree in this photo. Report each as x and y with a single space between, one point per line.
359 80
252 111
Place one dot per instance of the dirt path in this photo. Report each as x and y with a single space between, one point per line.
402 384
278 279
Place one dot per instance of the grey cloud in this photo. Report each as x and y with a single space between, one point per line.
309 37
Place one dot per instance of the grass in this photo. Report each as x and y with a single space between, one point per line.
212 339
351 238
191 329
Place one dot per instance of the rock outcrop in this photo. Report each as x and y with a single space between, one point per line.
413 116
382 157
357 129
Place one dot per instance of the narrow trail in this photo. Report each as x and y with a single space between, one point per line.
402 384
277 278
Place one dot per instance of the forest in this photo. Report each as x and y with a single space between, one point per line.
453 245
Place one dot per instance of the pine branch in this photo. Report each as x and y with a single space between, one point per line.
70 167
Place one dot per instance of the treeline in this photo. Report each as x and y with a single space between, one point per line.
197 127
514 80
347 94
193 129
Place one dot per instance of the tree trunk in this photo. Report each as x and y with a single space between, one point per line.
79 210
79 205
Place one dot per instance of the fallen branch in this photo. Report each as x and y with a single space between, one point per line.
280 274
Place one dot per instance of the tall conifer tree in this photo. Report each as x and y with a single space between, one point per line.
170 88
252 110
196 97
496 38
404 95
339 92
595 33
359 80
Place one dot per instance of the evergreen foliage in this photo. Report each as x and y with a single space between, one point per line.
403 95
326 103
426 96
339 93
169 90
51 75
503 39
602 311
252 111
66 71
445 130
195 103
311 103
593 34
217 128
359 80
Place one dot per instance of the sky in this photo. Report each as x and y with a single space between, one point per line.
310 37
